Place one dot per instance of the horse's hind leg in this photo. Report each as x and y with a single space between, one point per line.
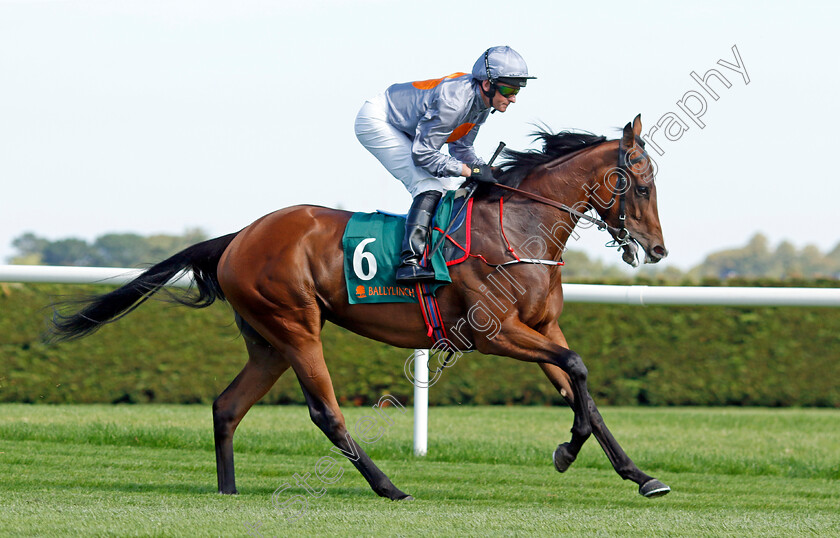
264 367
325 413
295 333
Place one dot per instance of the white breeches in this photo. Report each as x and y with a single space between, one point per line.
393 149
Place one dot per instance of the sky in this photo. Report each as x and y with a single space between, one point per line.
159 116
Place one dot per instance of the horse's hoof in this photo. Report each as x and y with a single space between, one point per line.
406 498
563 458
653 488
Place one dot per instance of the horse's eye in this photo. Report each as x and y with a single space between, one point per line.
643 191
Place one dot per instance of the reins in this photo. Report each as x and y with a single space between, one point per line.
602 225
622 234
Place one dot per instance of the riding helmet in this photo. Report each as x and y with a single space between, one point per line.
501 64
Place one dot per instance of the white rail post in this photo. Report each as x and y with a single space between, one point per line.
421 401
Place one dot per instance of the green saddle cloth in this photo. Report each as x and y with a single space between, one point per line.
372 243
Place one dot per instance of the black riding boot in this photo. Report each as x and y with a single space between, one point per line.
416 237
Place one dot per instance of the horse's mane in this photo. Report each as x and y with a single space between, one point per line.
517 164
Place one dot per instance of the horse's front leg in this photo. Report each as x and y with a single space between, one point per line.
521 342
566 453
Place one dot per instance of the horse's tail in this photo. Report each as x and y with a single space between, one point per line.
202 259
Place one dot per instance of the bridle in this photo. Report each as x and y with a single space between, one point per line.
622 184
621 234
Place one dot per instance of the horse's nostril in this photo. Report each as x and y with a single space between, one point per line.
659 250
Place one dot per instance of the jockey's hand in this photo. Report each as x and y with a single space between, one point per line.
482 173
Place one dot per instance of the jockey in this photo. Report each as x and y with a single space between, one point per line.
406 127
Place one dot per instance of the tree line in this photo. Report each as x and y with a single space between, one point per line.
109 250
757 259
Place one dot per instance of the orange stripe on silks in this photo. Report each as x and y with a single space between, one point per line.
433 83
460 132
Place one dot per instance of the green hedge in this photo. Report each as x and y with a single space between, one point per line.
635 355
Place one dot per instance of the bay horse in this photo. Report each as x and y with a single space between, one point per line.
283 276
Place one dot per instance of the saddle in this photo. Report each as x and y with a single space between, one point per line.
372 242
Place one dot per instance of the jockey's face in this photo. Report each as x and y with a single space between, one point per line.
500 102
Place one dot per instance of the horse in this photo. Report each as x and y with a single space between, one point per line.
284 279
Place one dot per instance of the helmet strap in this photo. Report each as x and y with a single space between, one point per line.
491 93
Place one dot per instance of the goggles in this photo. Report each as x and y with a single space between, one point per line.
507 91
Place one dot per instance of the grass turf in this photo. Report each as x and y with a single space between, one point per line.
150 471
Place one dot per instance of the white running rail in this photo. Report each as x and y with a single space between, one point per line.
573 293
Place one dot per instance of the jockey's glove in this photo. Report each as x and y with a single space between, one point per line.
482 173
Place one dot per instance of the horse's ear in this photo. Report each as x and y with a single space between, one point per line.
637 125
628 138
